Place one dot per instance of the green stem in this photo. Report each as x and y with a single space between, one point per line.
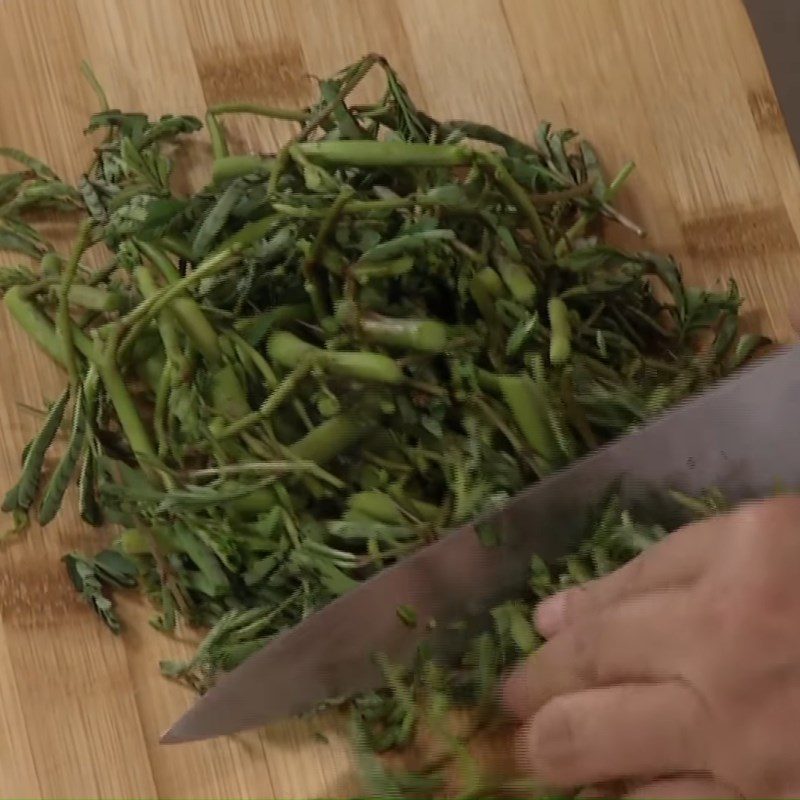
492 417
149 370
579 226
186 308
516 278
279 395
97 88
314 284
355 76
250 233
177 246
278 168
259 362
376 505
268 373
83 295
219 147
560 335
64 322
272 112
93 299
41 328
162 410
333 436
287 350
528 405
228 397
129 419
35 323
484 288
387 154
370 206
254 329
230 167
316 177
488 381
422 335
364 271
522 200
166 323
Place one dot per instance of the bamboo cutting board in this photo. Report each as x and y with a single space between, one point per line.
677 85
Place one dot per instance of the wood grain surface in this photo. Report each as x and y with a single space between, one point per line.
678 85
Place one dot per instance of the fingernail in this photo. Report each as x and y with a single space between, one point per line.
551 614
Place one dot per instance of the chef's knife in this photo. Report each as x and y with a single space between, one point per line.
742 437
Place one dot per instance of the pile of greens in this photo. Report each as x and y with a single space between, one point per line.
392 319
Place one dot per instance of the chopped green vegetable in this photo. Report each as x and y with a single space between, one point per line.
327 357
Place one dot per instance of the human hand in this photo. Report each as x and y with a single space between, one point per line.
677 675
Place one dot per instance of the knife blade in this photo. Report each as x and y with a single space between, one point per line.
741 437
777 27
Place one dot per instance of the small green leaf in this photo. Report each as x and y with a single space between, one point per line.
407 615
215 218
38 167
13 243
84 576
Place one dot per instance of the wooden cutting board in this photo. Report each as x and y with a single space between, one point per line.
677 85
